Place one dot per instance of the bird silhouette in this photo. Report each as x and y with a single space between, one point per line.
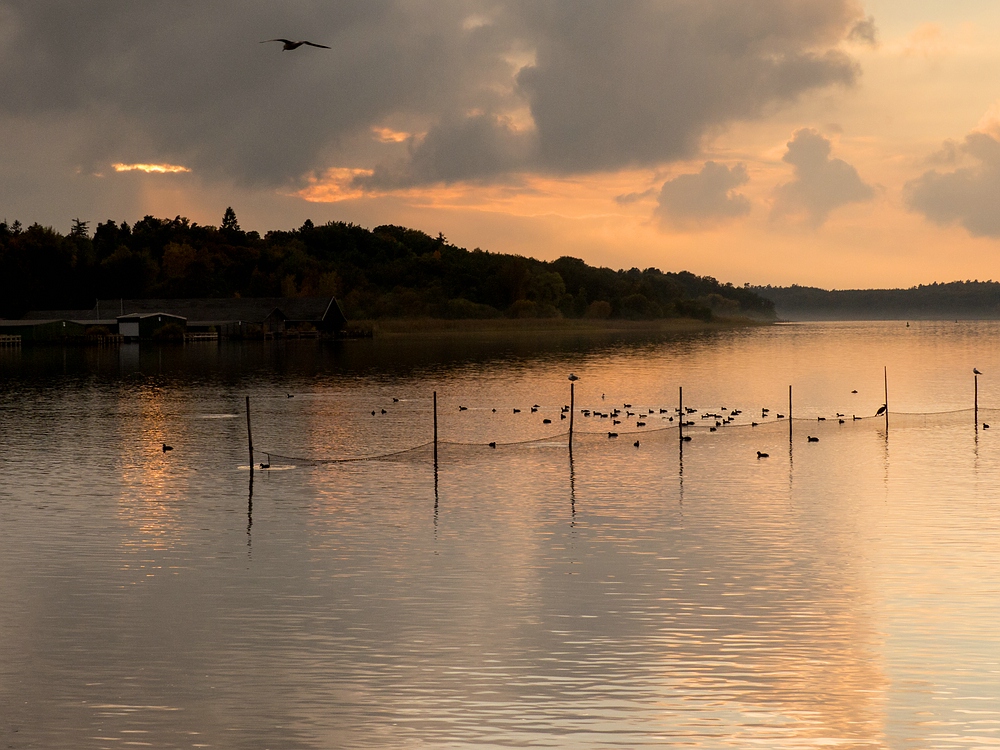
573 378
493 445
812 439
288 44
881 410
268 464
636 443
976 371
762 455
167 447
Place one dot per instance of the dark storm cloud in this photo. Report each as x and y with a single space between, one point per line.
601 85
966 196
704 198
821 183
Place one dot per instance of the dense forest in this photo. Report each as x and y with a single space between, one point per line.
388 271
957 299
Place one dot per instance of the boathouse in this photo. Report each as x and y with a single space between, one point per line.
234 317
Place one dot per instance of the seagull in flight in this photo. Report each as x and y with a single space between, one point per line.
288 44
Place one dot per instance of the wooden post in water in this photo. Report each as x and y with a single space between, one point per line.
680 411
789 414
249 435
572 408
435 428
976 376
885 373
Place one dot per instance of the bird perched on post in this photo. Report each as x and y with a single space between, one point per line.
573 378
975 371
288 44
881 411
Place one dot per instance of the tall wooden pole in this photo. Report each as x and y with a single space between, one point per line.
789 413
572 409
249 435
680 411
435 428
977 401
885 373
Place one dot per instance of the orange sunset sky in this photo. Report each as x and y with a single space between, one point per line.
823 142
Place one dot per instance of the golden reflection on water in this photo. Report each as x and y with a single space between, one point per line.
152 487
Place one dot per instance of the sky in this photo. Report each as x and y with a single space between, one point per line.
833 143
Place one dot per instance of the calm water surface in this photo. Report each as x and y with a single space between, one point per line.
842 593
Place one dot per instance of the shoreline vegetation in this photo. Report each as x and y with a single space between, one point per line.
389 272
956 300
501 327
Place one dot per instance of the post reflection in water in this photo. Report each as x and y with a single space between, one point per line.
752 613
572 489
436 498
250 514
680 471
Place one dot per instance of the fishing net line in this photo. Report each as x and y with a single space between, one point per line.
699 425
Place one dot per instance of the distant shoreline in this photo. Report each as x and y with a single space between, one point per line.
401 327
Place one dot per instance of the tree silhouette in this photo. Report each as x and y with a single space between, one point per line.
229 222
81 229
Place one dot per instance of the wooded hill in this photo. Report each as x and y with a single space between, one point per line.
388 271
957 299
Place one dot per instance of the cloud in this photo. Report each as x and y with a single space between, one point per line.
821 184
627 199
966 195
705 198
592 86
865 32
479 147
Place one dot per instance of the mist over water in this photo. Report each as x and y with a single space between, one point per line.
843 592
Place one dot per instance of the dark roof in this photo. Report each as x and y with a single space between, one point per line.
142 316
249 309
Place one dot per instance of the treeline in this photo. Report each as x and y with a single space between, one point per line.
957 299
388 271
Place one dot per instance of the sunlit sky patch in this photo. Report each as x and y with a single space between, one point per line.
150 168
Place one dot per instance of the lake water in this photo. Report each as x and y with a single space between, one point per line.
839 593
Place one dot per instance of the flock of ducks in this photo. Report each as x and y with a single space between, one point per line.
722 417
615 414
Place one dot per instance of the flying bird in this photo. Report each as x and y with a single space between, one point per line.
975 371
288 44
